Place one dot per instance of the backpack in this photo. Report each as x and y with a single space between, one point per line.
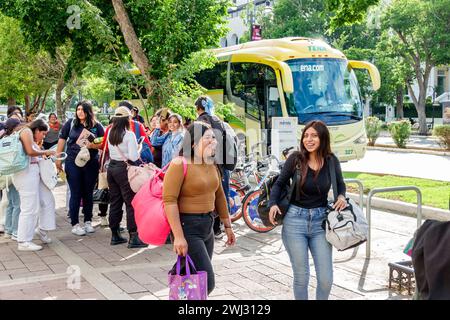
348 228
12 155
227 157
146 153
151 221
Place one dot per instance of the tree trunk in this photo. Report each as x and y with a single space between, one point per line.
420 108
61 113
27 104
399 103
11 102
44 99
144 103
36 102
65 106
423 129
419 103
131 39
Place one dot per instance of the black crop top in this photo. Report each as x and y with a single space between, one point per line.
314 191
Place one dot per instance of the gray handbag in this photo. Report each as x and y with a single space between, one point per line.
348 228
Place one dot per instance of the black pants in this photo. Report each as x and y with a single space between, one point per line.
81 183
198 231
103 208
120 192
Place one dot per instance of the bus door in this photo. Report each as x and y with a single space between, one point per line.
250 87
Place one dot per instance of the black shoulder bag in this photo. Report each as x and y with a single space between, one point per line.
285 199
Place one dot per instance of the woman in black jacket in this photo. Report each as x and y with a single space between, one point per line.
302 225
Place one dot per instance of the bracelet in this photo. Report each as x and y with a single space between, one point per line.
227 227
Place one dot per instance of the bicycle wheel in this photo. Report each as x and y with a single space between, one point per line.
250 212
236 195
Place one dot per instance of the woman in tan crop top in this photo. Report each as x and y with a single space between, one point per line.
190 201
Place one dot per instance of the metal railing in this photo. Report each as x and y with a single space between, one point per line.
361 190
391 189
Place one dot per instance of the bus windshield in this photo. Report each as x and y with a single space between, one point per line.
324 89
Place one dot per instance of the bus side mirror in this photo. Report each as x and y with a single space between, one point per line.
373 71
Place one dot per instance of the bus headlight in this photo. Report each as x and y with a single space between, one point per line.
361 140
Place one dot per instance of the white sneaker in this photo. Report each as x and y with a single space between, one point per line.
104 222
43 235
88 227
28 246
78 230
13 237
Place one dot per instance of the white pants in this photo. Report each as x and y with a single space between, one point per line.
3 206
36 202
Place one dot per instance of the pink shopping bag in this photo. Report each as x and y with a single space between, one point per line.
187 286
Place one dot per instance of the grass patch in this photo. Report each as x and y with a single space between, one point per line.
434 193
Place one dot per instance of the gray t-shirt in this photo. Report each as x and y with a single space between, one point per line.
52 135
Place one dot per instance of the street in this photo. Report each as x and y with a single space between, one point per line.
402 164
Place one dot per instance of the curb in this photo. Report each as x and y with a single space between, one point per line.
385 147
404 208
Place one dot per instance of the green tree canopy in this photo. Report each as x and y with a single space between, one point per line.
348 12
418 32
23 73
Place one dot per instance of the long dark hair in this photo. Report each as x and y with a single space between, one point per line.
12 125
117 132
194 133
88 110
323 152
39 125
12 109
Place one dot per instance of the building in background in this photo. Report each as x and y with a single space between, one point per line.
238 26
438 91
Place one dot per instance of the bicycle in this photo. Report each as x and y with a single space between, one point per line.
250 201
249 208
240 184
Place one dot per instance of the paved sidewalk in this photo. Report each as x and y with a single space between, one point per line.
415 141
256 268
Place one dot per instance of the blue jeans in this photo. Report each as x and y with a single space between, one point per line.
302 229
226 186
12 211
81 183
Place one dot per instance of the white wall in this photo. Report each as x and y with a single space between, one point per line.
236 24
432 83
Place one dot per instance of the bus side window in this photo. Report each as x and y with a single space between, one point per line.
274 106
214 78
243 86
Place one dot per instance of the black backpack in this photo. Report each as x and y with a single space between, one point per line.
227 156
